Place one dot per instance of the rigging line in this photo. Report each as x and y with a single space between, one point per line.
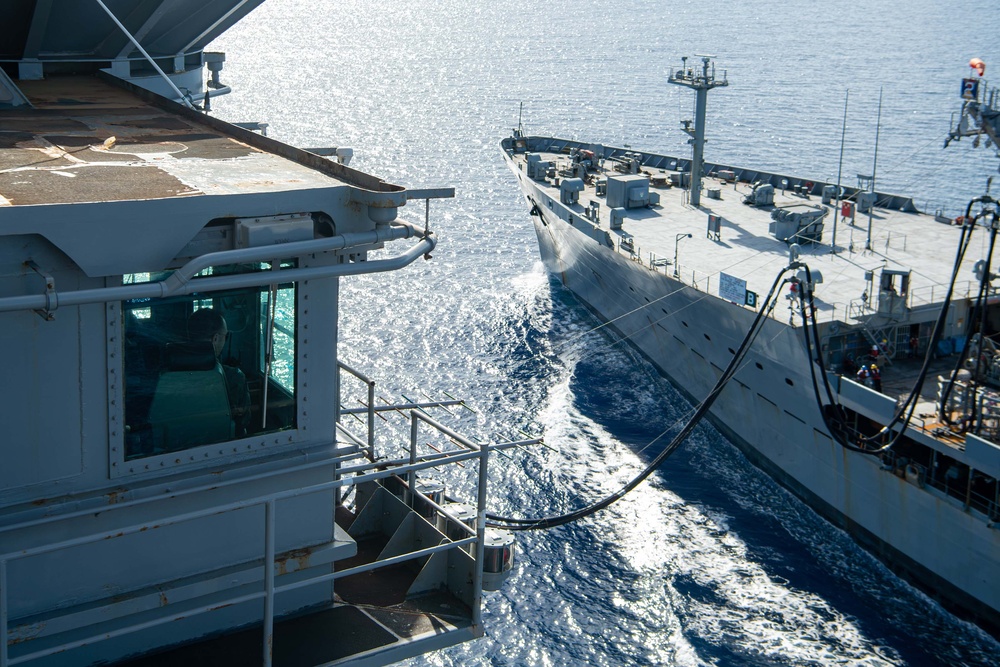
891 167
693 410
625 337
969 225
534 524
706 404
745 363
694 407
626 314
703 295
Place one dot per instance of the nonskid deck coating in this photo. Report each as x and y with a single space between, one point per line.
901 241
87 140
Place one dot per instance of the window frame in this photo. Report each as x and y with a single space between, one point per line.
251 446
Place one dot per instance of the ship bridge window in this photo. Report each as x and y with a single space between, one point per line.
209 367
895 282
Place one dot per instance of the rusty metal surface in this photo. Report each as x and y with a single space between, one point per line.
87 140
109 183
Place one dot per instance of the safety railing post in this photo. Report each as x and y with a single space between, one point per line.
411 476
477 583
268 582
371 420
370 411
3 613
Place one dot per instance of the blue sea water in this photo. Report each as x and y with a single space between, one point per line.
709 562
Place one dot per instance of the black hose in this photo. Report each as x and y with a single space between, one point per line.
833 413
980 303
507 523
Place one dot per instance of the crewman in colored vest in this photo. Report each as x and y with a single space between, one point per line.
876 376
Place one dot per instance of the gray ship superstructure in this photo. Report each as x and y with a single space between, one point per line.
185 477
683 284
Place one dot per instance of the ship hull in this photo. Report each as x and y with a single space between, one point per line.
770 413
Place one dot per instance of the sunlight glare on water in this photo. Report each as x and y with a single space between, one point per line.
709 562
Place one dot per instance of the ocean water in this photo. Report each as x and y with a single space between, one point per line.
709 562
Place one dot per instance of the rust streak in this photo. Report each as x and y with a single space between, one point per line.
299 556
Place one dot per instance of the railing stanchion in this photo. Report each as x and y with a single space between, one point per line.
268 582
371 420
411 475
3 613
477 583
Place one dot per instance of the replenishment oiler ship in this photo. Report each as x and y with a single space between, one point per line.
185 478
804 313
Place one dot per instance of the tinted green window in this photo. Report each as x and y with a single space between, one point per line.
208 368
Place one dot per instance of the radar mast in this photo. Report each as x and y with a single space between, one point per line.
701 83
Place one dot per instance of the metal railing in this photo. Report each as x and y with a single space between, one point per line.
369 409
347 475
960 490
927 295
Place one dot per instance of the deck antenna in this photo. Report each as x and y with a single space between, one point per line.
840 171
871 207
701 83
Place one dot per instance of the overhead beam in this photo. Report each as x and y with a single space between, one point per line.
39 22
153 9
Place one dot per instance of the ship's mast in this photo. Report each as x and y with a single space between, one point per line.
701 83
980 116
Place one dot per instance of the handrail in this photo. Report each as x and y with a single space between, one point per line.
269 590
347 476
390 468
370 383
396 407
182 281
121 504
